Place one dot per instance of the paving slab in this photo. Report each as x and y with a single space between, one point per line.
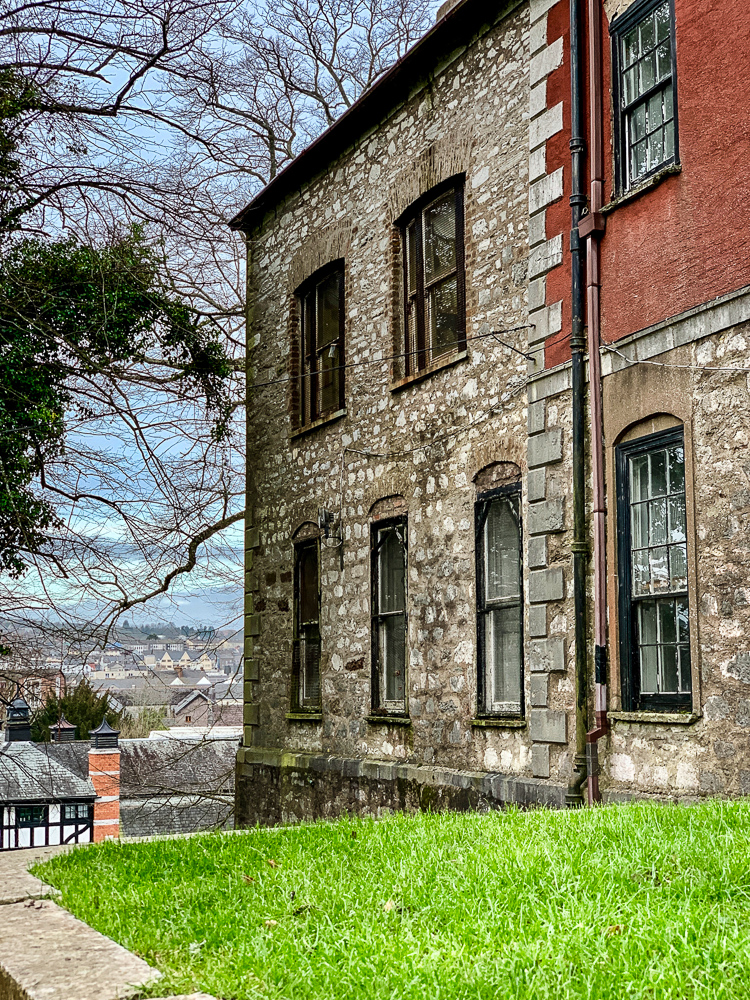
48 954
16 883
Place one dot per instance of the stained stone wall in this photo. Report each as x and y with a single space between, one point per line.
424 440
496 112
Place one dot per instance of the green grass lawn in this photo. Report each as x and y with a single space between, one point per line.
625 901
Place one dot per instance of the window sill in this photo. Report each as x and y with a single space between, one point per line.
446 361
499 723
656 718
388 720
304 716
331 418
648 185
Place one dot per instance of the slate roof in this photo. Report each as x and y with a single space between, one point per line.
29 773
164 767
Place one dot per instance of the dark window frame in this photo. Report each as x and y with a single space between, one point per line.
632 700
41 810
309 408
419 358
305 632
481 510
617 30
380 704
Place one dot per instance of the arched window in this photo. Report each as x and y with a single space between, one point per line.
499 596
653 572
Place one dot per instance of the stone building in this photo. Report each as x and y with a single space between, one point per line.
473 576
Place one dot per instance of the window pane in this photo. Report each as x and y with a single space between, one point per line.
677 528
647 635
502 552
329 367
503 639
640 526
668 104
412 337
328 310
641 574
392 571
648 669
648 36
677 469
629 85
647 72
664 61
657 514
667 622
658 473
310 670
308 324
630 48
683 621
392 642
655 111
686 681
307 569
661 17
659 570
639 160
411 258
638 123
440 237
669 681
443 316
669 141
639 478
678 567
655 149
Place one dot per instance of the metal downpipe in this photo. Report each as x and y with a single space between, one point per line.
574 795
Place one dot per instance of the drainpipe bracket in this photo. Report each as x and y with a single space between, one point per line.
594 225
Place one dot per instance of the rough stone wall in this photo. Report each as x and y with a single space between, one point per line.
711 754
424 440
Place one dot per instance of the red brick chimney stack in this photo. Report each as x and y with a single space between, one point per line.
104 772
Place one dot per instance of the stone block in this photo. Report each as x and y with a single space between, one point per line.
252 538
536 416
545 191
546 655
548 726
540 760
537 163
536 484
547 322
537 234
252 625
539 8
252 670
537 293
545 126
538 99
251 715
249 645
538 36
538 620
545 257
538 685
538 552
544 449
546 517
546 61
546 585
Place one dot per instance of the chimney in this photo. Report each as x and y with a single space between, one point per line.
104 772
18 721
62 731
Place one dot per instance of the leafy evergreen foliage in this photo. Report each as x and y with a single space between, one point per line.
82 706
